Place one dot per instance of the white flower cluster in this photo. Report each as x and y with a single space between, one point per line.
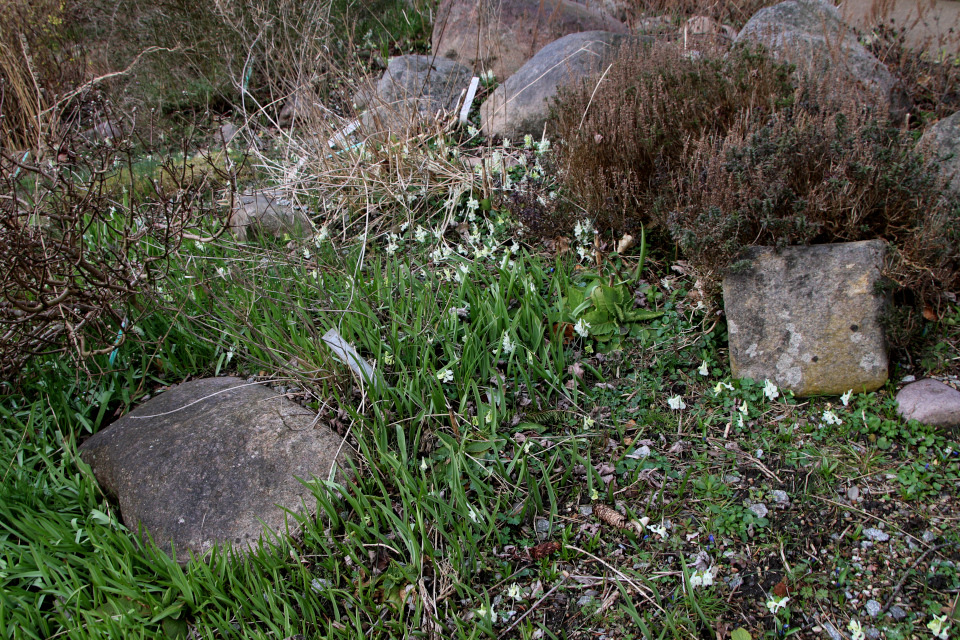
583 231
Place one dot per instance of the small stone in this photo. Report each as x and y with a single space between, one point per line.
930 402
586 510
319 585
873 633
731 479
898 612
909 379
832 632
873 608
583 601
876 535
759 509
780 497
929 536
853 493
542 525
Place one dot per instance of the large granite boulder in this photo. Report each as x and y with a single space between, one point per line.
808 318
930 402
811 32
211 462
414 89
521 105
501 36
942 142
268 213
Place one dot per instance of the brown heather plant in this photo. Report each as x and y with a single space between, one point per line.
809 175
619 142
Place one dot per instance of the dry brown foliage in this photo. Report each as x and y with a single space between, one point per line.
619 140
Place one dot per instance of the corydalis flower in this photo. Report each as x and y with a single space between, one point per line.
845 398
445 376
676 403
509 346
939 628
717 390
582 328
515 592
775 604
856 629
770 390
701 579
831 418
704 370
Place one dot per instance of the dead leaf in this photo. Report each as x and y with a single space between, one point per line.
565 330
781 590
625 243
544 549
930 314
576 369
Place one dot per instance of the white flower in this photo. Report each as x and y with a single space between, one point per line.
543 146
588 422
472 131
508 345
659 529
306 253
392 247
528 141
775 604
482 612
582 328
506 143
388 358
701 579
583 253
744 409
473 204
770 390
515 592
594 495
322 235
740 421
423 464
676 403
473 514
831 418
704 370
717 390
845 398
222 272
856 630
420 234
445 376
938 628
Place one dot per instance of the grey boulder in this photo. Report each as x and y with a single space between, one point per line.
808 318
942 143
521 105
930 402
812 35
213 461
413 90
267 213
501 36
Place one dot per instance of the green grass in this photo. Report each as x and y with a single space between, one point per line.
490 430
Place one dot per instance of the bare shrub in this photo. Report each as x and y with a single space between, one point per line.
78 251
620 138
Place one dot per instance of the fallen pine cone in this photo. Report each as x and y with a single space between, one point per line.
610 516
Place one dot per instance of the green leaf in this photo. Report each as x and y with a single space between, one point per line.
740 634
640 315
174 629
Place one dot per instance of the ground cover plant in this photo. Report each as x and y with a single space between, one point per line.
552 445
